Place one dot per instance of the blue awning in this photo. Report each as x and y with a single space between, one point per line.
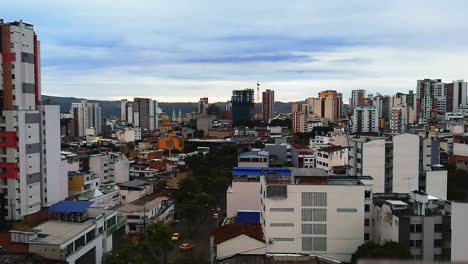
248 217
70 206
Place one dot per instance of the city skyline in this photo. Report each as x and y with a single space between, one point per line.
181 51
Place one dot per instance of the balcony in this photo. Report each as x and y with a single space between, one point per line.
8 140
121 221
8 170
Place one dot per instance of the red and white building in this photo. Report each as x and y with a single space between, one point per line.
30 165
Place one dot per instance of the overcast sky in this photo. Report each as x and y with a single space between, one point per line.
182 50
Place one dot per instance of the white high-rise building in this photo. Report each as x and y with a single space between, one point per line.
126 111
365 119
142 112
392 162
30 165
459 100
86 115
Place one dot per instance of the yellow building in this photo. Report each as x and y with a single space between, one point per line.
79 182
171 142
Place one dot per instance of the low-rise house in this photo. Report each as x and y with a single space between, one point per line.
79 235
147 209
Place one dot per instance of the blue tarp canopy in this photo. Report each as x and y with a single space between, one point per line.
248 217
70 206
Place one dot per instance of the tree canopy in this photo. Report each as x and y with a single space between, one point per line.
153 246
389 250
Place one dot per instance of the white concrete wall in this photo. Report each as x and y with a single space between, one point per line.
344 231
385 227
243 196
373 163
121 169
459 232
460 149
99 164
241 244
55 174
436 184
405 163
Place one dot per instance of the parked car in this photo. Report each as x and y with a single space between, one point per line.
175 237
185 247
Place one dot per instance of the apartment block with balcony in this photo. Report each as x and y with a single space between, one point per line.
30 173
145 210
417 220
79 182
243 193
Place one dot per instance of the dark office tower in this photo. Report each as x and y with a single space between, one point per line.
203 106
242 102
141 112
268 104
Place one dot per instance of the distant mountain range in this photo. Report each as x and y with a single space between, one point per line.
112 108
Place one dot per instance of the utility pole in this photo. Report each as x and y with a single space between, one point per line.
144 216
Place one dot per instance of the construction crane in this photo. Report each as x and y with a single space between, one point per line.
258 93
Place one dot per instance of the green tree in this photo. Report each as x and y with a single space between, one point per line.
127 253
153 245
457 183
281 122
389 250
156 241
259 144
188 188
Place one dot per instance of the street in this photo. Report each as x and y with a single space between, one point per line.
200 238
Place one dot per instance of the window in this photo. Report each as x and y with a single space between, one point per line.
412 228
281 224
367 194
366 208
346 210
438 243
314 214
282 239
366 236
277 191
438 228
314 243
314 199
418 228
366 222
314 229
417 243
80 242
281 209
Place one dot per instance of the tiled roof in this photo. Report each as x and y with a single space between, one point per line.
231 231
458 158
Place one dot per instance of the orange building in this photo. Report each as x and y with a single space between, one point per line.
171 142
330 105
